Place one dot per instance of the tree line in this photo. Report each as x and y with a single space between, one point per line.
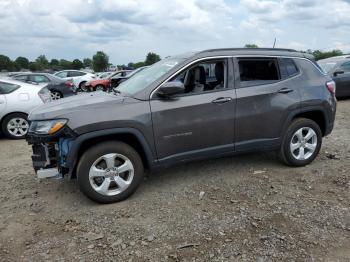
318 54
99 63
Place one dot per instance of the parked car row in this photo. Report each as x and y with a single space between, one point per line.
112 80
58 87
21 92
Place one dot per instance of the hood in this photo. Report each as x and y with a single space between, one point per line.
62 108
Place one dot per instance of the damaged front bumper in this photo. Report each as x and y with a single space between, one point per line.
50 154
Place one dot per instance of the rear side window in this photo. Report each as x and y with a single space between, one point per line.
258 71
75 73
39 78
62 74
7 88
21 78
287 68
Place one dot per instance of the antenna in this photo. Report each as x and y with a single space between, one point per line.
274 43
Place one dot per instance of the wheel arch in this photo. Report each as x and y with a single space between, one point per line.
16 112
316 114
130 136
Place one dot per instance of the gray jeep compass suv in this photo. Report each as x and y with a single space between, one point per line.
207 104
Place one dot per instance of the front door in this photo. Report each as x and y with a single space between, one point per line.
201 120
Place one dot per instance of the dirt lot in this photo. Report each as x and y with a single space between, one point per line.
253 209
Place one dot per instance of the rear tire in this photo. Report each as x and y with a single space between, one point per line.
15 126
301 142
109 172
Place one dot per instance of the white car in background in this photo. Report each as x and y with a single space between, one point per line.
79 78
17 100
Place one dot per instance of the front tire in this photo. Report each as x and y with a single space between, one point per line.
55 95
100 88
109 172
82 86
301 143
15 126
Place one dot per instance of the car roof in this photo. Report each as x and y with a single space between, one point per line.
244 52
16 82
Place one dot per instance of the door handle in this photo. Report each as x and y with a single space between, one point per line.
222 100
285 90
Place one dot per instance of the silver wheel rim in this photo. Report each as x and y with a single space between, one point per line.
111 174
55 96
99 88
303 144
18 127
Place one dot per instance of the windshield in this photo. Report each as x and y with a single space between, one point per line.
142 79
327 66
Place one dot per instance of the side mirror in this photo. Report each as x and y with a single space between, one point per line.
338 72
171 88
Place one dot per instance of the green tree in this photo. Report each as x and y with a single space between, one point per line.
251 46
22 62
151 58
6 63
55 64
100 61
323 55
77 64
34 66
87 62
42 62
65 64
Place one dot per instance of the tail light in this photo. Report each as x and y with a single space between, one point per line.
69 84
44 95
331 86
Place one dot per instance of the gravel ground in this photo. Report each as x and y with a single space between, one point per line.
243 208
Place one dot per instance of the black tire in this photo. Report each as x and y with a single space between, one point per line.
100 87
97 151
10 117
285 151
82 86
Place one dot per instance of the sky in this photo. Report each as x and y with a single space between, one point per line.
128 29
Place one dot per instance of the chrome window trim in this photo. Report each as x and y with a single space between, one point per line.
233 56
185 67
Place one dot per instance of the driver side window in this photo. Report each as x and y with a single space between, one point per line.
202 77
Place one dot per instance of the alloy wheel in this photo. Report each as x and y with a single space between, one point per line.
55 95
303 143
18 127
111 174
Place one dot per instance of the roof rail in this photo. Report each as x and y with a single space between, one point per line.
246 48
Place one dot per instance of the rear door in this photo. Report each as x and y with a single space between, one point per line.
343 80
265 96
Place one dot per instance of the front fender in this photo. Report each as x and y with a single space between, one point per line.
74 148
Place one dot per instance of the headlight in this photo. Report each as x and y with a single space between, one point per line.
49 127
